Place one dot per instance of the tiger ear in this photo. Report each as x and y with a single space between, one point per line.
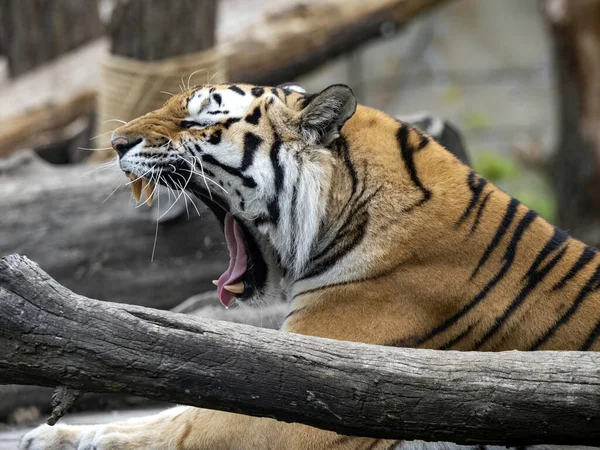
324 116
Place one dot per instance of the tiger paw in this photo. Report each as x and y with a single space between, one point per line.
60 437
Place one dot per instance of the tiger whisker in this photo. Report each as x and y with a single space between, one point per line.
184 198
192 74
174 203
115 190
157 220
202 175
193 203
102 134
214 75
100 167
142 176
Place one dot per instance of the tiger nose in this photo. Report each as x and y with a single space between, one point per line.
122 144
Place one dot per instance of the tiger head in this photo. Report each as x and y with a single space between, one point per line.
277 171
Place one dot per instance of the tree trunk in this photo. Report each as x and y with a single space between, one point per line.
35 31
150 30
57 215
575 167
51 336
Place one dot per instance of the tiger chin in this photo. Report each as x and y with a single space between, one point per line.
368 228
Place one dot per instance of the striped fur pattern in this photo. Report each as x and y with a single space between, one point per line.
369 229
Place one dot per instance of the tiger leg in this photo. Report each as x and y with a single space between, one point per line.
187 428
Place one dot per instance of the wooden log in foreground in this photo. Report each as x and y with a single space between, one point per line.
51 336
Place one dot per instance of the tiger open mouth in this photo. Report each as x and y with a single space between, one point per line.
246 274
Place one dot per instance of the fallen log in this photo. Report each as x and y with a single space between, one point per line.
14 398
61 217
277 49
51 336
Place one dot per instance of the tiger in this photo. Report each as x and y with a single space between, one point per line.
370 231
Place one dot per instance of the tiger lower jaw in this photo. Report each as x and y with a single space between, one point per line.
246 276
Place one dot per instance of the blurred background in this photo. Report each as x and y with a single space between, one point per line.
519 80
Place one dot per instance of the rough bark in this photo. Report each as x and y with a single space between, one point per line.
13 398
36 31
57 215
51 336
575 166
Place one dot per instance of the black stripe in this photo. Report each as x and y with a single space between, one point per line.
591 338
356 209
294 312
242 202
273 208
275 92
230 122
236 89
509 256
408 158
476 185
251 144
225 111
342 148
373 444
423 142
393 445
277 168
586 256
589 287
535 275
457 339
480 212
254 117
246 180
376 276
261 220
509 216
257 91
294 205
349 235
217 98
558 238
215 138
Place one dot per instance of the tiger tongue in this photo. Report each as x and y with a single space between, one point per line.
238 260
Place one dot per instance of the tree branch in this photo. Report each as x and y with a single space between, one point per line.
53 337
